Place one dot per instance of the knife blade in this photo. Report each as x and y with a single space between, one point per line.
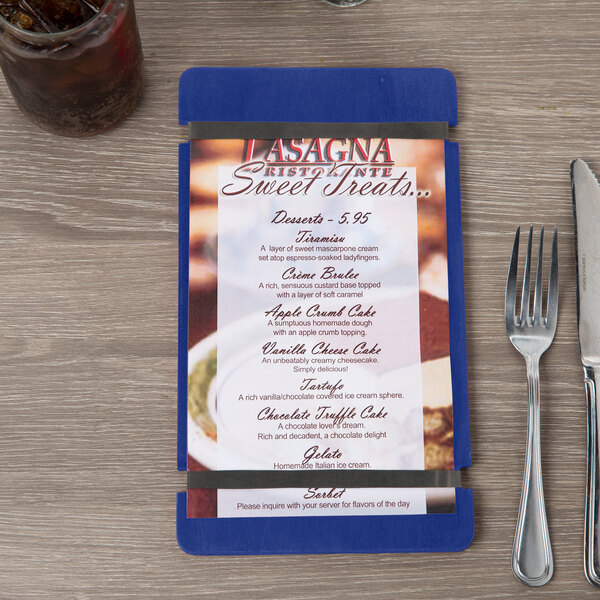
586 212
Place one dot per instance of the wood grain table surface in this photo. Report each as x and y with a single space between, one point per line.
88 303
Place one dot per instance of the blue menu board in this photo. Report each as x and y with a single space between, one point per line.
332 330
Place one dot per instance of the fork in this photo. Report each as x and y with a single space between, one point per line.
531 335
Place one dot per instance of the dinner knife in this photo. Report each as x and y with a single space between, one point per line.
586 212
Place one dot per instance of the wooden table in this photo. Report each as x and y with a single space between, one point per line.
88 316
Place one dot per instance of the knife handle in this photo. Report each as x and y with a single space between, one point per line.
590 540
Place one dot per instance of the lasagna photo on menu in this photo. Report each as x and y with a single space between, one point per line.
318 329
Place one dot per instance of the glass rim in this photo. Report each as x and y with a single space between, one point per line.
56 36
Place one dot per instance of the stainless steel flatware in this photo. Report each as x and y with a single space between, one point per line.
531 333
586 210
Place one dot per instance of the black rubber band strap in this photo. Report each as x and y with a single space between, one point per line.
244 130
239 480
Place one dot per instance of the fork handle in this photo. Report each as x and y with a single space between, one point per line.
532 560
590 541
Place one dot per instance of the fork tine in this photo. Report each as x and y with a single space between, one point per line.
511 283
552 311
526 276
537 294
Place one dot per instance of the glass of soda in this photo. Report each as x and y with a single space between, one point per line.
343 2
74 67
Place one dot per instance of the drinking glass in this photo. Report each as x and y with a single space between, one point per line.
345 2
79 81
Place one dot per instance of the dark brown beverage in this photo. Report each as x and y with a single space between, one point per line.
49 16
74 67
